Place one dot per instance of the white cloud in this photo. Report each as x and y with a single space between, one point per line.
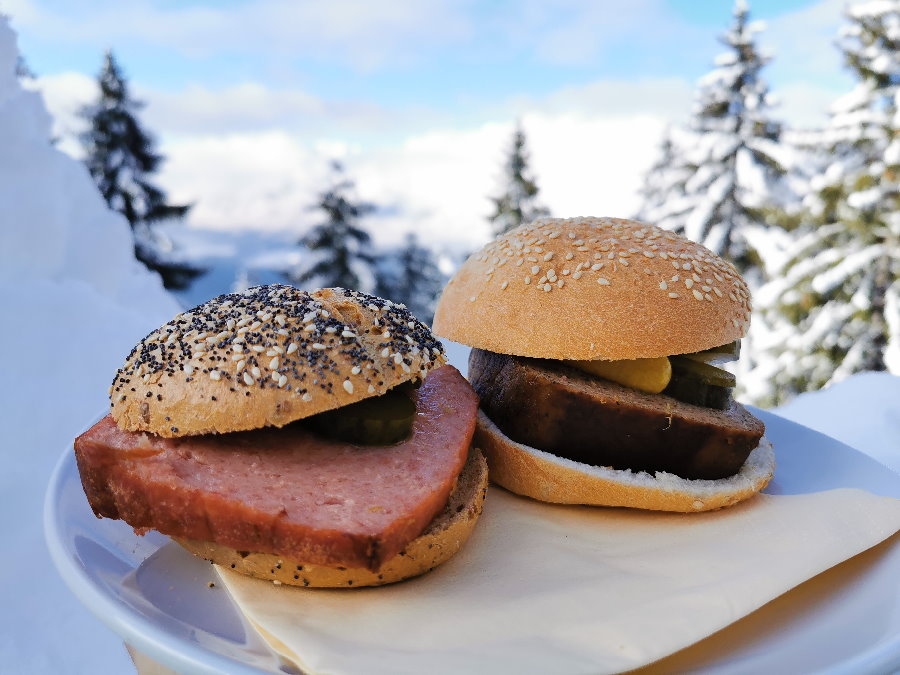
239 155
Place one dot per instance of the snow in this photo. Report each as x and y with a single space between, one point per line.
75 301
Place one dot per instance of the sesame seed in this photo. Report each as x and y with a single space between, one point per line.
318 345
215 375
663 286
306 397
348 386
248 380
257 348
686 266
398 359
188 369
273 364
282 380
385 353
697 294
569 255
256 372
649 254
689 283
348 334
560 283
707 296
602 281
674 295
717 291
535 269
548 287
371 389
504 285
355 370
527 280
292 348
596 266
240 365
577 275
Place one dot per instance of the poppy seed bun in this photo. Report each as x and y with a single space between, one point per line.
593 288
268 356
441 539
549 478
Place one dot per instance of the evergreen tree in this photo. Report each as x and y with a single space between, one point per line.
663 201
410 275
340 245
837 299
518 204
731 157
120 156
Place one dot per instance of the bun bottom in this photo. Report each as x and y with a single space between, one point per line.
445 535
548 478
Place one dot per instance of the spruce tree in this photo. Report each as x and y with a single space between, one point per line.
120 156
662 193
837 298
340 245
518 204
410 275
731 155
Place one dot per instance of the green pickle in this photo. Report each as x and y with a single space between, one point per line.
379 420
696 380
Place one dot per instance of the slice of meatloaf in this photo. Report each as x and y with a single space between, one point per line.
554 407
286 491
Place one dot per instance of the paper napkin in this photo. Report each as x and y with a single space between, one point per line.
543 588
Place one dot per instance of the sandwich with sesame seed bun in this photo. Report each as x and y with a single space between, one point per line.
312 439
597 346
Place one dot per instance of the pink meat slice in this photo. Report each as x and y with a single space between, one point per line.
287 491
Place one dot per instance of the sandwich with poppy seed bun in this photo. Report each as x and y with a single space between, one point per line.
313 439
596 351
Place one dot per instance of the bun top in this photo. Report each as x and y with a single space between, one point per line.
593 288
268 356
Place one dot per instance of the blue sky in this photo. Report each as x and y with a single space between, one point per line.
249 99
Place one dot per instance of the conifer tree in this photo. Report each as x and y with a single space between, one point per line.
121 157
341 246
410 275
731 156
518 204
662 194
836 300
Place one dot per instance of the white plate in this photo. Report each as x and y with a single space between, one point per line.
157 596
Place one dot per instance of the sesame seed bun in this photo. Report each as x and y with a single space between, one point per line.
441 540
549 478
268 356
593 288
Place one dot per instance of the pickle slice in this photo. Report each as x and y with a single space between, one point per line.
721 354
648 375
700 383
688 366
379 420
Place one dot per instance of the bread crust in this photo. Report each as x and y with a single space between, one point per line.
545 477
593 288
444 536
267 357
